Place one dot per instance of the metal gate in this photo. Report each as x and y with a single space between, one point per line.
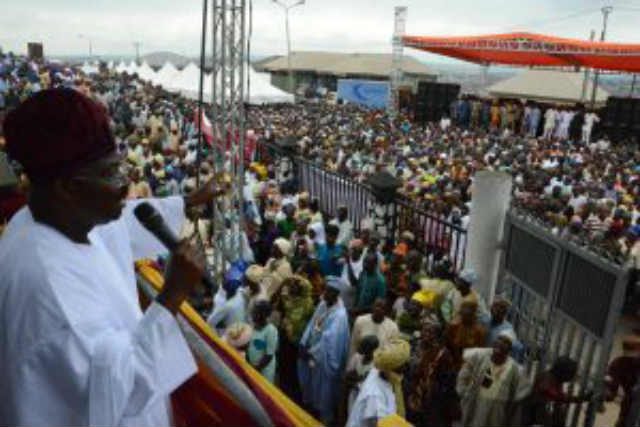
566 301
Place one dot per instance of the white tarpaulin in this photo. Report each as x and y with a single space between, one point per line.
131 68
263 92
166 76
145 72
188 79
187 82
121 67
88 68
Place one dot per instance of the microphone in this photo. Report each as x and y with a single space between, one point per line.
151 219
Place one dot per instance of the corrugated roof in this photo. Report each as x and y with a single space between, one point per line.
341 64
547 85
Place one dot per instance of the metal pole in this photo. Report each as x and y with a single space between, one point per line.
289 70
203 52
90 49
633 85
136 45
585 81
605 17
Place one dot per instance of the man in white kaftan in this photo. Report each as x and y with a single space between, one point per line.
491 387
75 348
375 401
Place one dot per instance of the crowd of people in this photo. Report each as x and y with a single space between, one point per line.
353 329
581 186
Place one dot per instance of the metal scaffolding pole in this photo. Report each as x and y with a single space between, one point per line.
228 122
603 35
395 79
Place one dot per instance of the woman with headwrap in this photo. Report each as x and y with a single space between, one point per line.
296 306
431 381
381 393
465 332
277 267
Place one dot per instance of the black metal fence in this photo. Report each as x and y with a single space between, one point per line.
566 301
435 236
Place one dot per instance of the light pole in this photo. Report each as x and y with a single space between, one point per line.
137 45
83 36
605 18
286 9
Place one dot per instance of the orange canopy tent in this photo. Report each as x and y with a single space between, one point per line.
535 50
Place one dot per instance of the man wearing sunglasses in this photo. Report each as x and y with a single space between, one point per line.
75 347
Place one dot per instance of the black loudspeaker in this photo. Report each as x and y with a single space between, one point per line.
453 91
384 186
621 118
625 113
35 51
610 118
433 100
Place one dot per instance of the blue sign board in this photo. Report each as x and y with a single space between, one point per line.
372 94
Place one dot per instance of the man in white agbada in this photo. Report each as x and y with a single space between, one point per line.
375 323
381 392
344 225
75 347
491 385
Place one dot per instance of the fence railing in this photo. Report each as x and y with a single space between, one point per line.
435 236
565 301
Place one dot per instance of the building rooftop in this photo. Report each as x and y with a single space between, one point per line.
344 64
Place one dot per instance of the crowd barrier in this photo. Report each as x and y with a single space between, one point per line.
565 301
435 236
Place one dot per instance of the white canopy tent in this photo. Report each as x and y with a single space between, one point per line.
145 72
187 82
188 79
132 67
166 76
89 68
121 67
263 92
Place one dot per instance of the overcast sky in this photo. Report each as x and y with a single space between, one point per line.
334 25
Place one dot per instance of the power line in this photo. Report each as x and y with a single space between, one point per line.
548 21
628 9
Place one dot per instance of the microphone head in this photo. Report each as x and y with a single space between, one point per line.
148 216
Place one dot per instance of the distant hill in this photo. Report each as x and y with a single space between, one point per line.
158 59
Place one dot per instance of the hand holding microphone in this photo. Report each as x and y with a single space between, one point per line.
206 193
186 267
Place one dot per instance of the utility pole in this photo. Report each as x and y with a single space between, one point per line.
585 82
286 9
605 18
137 45
88 38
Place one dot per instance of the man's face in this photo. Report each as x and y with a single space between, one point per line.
498 312
370 264
502 347
356 253
330 296
379 310
99 190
